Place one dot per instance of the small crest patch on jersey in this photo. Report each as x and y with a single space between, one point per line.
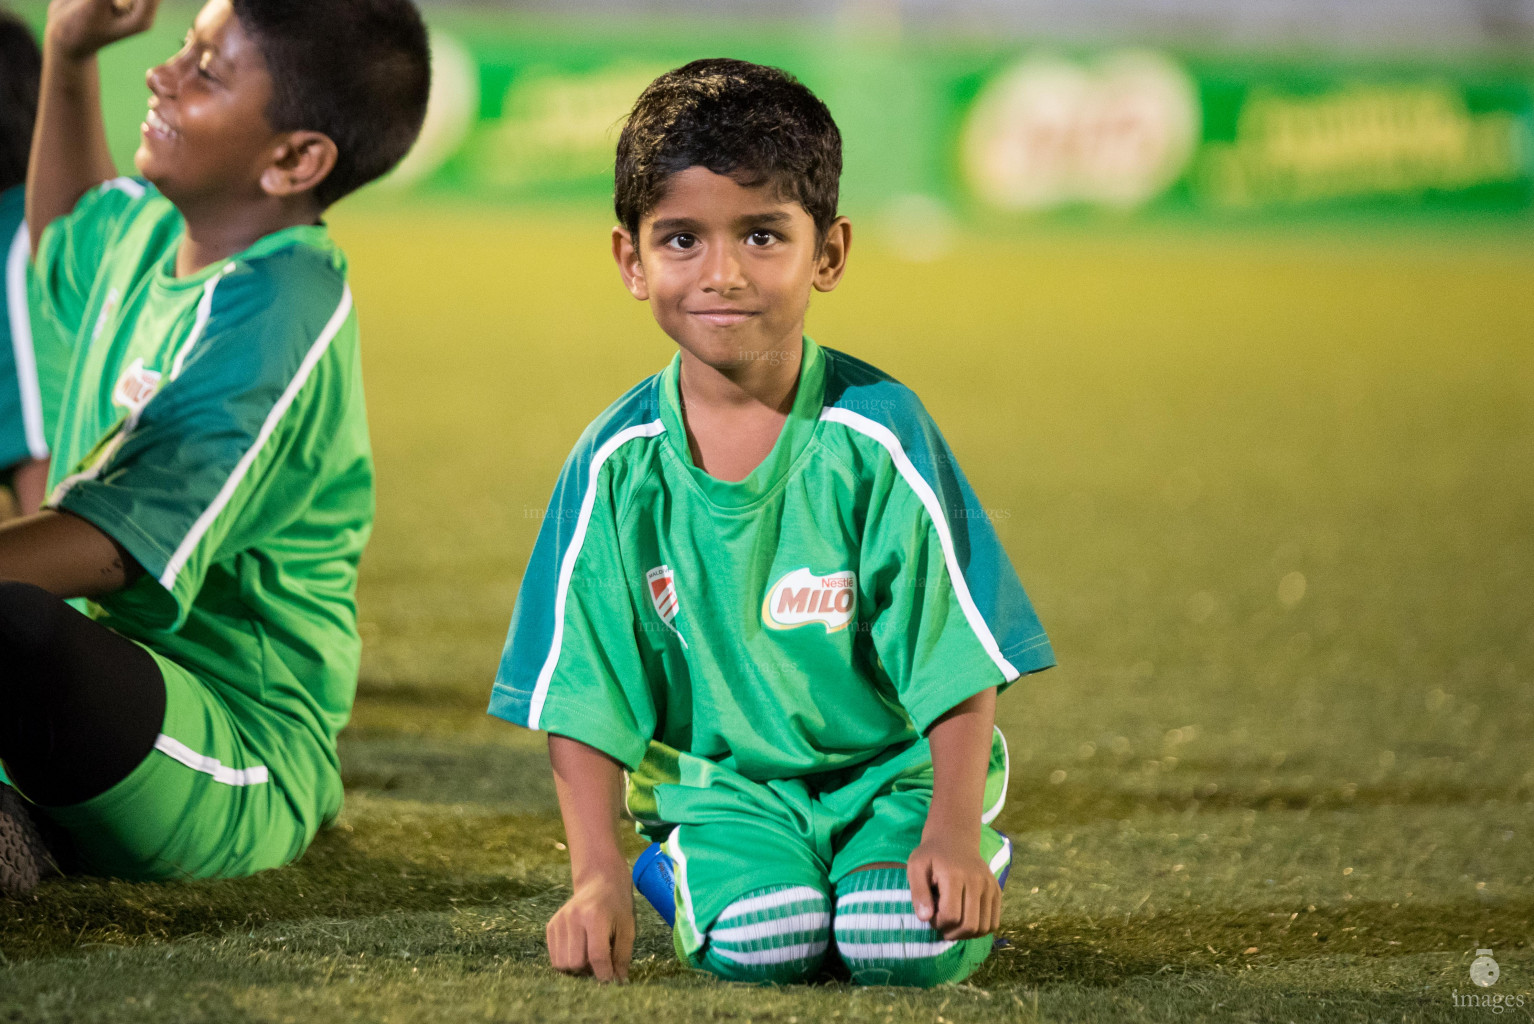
136 386
662 584
802 598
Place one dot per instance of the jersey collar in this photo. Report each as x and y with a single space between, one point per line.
798 430
316 236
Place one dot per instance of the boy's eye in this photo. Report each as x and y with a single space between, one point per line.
203 64
760 237
682 240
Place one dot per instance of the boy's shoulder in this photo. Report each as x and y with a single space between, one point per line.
876 411
135 222
635 414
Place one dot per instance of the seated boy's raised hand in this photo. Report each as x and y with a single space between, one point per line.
593 933
953 888
78 28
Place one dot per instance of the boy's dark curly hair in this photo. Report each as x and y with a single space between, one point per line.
21 68
757 124
357 70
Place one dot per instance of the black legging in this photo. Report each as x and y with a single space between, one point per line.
80 707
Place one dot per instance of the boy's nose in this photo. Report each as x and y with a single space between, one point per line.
159 79
722 271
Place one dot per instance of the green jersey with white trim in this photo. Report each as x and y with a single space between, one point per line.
214 427
830 606
33 358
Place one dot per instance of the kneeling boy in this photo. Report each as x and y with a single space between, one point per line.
212 478
766 591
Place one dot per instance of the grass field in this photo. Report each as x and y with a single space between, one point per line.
1271 497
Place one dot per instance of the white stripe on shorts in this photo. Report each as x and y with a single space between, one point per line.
1002 855
767 929
174 748
781 955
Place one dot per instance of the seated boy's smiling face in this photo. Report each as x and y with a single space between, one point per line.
206 134
728 268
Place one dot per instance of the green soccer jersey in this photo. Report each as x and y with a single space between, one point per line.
33 358
830 606
214 426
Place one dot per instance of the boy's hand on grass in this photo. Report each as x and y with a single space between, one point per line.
593 933
78 28
953 888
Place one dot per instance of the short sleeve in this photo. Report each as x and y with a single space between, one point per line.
951 618
195 472
572 664
73 250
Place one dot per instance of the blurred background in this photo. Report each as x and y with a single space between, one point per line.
1208 295
1223 305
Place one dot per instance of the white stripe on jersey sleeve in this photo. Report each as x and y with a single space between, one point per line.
21 343
200 527
891 444
567 567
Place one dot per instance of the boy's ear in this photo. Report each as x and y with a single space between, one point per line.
832 262
301 162
626 255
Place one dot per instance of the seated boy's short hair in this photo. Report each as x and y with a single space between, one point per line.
357 70
21 68
757 124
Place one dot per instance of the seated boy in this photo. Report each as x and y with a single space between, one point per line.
33 360
767 593
212 478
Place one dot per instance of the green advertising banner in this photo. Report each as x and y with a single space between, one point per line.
1002 133
1016 132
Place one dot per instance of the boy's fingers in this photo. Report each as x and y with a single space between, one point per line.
623 949
554 934
987 909
950 905
599 953
143 13
921 889
567 946
974 907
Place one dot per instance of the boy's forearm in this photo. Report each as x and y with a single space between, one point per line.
590 789
961 755
69 143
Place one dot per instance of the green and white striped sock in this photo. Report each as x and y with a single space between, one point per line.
883 942
777 935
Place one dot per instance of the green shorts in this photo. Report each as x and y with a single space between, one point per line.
728 836
201 805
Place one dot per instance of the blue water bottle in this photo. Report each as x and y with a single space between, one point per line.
656 883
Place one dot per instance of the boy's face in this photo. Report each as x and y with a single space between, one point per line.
206 135
727 269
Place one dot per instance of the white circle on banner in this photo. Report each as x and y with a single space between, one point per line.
1051 132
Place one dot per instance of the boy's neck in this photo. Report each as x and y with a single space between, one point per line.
748 385
216 234
734 414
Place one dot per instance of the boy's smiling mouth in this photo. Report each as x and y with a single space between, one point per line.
723 317
157 126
